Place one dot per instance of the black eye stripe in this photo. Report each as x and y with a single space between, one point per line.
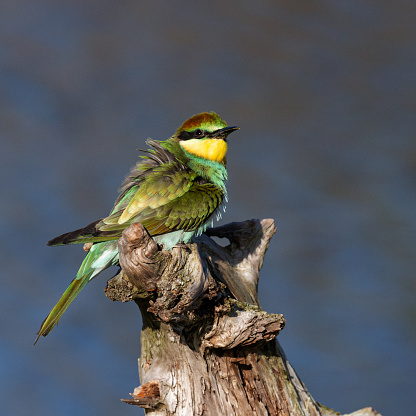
185 135
196 134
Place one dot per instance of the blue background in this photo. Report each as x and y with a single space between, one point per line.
324 93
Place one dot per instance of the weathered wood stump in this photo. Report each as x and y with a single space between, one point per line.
207 346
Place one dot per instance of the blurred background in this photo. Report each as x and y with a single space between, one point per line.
324 93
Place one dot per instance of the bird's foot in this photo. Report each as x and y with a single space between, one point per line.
183 246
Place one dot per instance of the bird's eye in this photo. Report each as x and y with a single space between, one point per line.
198 133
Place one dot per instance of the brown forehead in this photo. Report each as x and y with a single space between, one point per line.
201 120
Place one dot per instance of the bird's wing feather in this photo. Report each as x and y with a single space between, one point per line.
149 183
162 185
188 212
163 197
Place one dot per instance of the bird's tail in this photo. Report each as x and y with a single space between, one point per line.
100 256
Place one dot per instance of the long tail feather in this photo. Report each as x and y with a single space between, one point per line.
55 314
100 256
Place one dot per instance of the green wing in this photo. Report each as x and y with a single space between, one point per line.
167 198
162 185
187 212
174 202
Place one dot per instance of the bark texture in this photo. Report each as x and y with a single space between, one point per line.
207 346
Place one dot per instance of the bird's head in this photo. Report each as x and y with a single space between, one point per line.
205 136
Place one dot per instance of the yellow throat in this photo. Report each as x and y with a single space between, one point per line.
211 149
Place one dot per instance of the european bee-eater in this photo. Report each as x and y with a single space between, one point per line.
175 190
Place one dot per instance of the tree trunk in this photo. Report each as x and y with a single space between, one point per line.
207 346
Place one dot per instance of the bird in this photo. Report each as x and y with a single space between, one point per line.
175 191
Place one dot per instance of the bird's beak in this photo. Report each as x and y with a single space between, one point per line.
223 133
